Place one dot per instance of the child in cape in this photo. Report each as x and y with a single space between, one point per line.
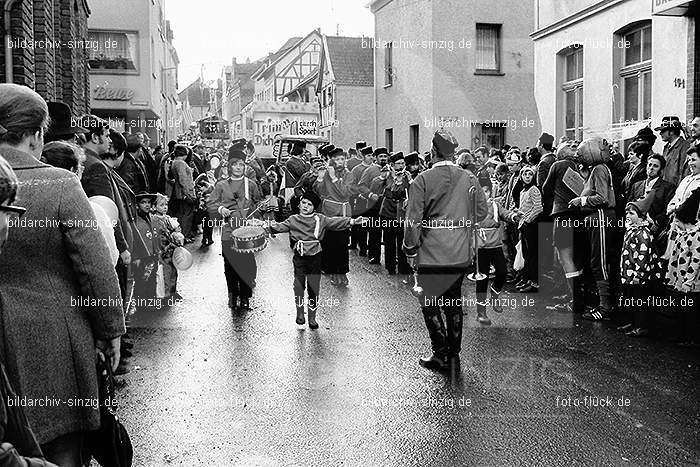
306 230
170 236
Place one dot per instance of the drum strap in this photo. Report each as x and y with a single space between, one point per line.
246 187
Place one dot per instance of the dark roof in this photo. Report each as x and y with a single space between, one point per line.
353 64
197 95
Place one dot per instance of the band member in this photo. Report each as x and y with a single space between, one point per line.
306 182
351 164
306 232
413 165
438 241
359 183
373 202
354 156
331 187
234 199
146 251
391 213
294 169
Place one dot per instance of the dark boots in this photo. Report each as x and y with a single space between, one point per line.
232 301
438 340
300 312
312 314
446 340
481 315
454 323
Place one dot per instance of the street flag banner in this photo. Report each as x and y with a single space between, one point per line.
573 181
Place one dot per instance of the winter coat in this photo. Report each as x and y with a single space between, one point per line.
638 262
47 340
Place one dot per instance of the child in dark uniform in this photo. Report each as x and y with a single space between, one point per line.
306 230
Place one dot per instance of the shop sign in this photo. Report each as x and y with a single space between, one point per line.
113 94
670 7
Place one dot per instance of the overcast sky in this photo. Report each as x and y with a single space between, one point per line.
212 32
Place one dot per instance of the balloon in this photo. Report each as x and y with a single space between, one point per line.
109 207
182 259
106 229
214 162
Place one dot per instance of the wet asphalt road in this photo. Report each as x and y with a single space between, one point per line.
214 387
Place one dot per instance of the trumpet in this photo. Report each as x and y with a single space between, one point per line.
476 275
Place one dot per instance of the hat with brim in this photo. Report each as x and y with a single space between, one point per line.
143 195
239 144
397 156
669 123
235 153
381 151
412 158
62 122
335 152
360 144
366 151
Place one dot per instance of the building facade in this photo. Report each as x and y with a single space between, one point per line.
284 94
345 91
607 68
133 69
49 48
468 69
238 91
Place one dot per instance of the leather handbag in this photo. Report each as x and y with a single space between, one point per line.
110 446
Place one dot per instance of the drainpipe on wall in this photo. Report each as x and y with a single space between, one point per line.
9 78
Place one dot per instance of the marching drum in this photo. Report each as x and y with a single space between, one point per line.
249 239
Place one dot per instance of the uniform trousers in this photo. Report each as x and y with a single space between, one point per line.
240 270
334 257
393 251
307 277
374 240
442 292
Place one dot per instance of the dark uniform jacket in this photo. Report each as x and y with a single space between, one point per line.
439 216
335 195
232 194
295 168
